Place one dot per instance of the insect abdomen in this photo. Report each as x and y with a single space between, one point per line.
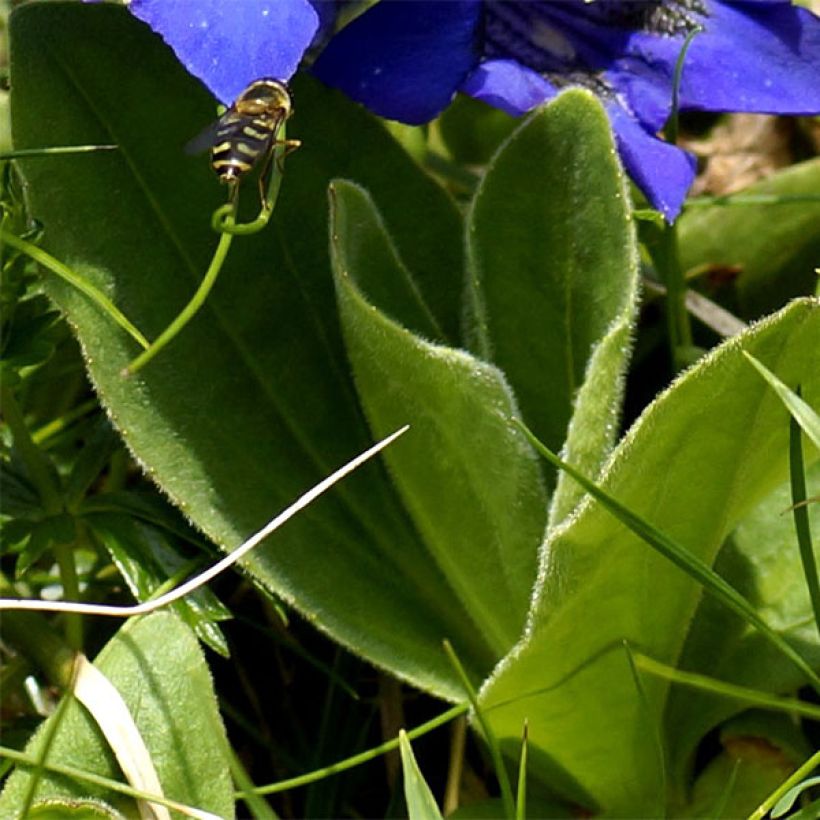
240 142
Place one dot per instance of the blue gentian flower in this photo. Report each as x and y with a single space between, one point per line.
405 59
230 43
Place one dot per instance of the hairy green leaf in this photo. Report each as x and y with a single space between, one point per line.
694 464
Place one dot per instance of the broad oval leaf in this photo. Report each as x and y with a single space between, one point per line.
252 404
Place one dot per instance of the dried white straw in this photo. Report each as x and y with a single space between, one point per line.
203 578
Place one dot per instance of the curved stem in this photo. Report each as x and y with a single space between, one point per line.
189 311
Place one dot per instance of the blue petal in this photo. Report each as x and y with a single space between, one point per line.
508 85
663 172
228 45
754 56
404 59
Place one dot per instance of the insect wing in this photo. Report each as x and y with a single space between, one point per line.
204 140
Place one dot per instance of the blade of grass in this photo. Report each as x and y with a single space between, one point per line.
421 805
521 791
713 583
220 566
76 281
800 512
720 807
40 762
458 739
56 150
489 736
722 689
357 760
258 807
802 412
802 416
653 723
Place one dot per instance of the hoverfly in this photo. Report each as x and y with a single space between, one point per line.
247 132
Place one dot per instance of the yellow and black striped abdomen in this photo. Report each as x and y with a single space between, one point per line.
240 142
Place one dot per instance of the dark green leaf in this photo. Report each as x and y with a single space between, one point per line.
252 404
146 559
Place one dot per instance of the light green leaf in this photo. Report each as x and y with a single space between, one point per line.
252 404
553 268
158 668
761 560
421 805
686 468
787 801
467 477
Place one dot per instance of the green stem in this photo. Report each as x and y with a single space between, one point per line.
189 311
49 734
667 263
64 553
357 760
492 742
32 635
804 771
800 511
75 280
672 125
62 423
37 463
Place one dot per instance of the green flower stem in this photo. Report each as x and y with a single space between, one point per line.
77 281
804 771
667 262
189 311
667 258
800 511
36 461
64 553
357 760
